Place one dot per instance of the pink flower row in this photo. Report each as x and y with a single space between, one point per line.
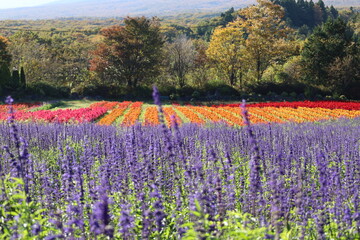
60 116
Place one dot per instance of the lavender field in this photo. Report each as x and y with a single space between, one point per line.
290 181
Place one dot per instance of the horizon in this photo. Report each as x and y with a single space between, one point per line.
23 3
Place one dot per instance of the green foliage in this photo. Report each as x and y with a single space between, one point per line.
22 78
236 225
130 54
305 15
205 28
15 79
329 51
48 106
18 217
5 75
43 89
5 58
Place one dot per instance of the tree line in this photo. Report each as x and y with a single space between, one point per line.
263 46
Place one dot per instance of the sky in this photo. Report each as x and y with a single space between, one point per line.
21 3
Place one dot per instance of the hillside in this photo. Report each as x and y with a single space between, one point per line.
120 8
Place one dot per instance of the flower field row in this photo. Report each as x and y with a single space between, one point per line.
105 104
171 116
132 116
308 104
113 115
128 113
60 116
19 106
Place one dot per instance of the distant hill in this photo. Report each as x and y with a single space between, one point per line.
121 8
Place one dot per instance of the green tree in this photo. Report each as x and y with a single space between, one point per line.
5 59
130 53
22 78
58 59
330 48
15 79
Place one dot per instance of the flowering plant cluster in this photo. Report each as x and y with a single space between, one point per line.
132 116
128 113
59 116
114 114
106 104
19 106
151 116
348 105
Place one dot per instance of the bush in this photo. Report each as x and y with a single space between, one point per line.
278 88
42 89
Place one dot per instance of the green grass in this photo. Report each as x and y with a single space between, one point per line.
75 104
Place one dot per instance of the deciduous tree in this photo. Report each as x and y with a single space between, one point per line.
129 54
268 39
181 58
5 59
226 51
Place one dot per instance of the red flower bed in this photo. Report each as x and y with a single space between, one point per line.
19 106
61 116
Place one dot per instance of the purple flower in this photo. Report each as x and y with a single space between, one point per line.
35 229
126 222
9 100
100 219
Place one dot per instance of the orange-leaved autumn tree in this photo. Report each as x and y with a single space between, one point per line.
129 54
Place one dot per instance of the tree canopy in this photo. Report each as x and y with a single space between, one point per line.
129 54
328 51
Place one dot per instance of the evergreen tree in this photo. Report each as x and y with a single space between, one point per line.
333 12
328 46
22 78
5 75
322 7
15 79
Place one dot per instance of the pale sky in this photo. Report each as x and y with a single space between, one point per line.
22 3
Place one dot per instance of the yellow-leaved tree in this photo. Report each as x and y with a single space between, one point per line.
225 52
257 39
268 40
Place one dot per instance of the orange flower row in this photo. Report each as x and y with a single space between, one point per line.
265 114
191 115
133 114
170 113
105 104
151 116
229 116
253 116
315 114
343 112
296 115
111 117
208 114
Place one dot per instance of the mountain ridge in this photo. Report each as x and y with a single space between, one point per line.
123 8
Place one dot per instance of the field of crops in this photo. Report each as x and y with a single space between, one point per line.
292 179
128 113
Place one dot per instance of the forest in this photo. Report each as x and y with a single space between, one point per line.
281 47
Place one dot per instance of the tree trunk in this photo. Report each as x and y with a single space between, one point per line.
258 69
